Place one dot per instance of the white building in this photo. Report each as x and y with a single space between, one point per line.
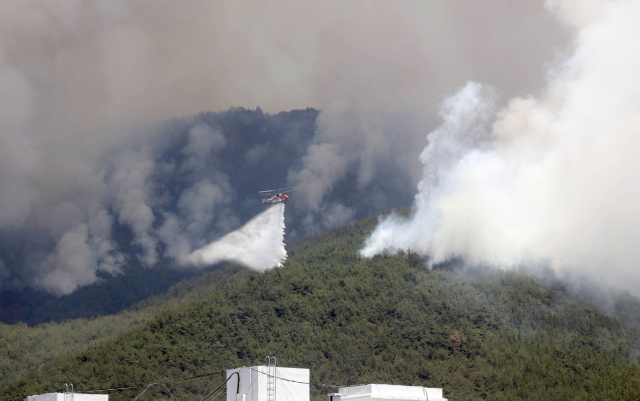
268 383
387 392
68 397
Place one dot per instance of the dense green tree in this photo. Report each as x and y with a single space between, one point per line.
24 349
479 333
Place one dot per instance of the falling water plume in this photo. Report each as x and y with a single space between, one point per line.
259 244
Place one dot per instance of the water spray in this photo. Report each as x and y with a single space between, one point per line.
259 244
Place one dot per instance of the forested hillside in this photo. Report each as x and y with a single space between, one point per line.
254 151
283 135
24 349
479 333
106 297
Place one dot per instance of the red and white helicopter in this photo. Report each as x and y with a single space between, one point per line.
279 197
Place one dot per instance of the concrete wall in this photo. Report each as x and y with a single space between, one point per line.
292 384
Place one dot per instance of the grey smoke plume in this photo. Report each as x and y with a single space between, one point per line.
556 177
363 130
198 207
373 124
132 200
258 244
79 79
202 205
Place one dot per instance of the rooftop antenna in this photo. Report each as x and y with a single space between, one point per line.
270 363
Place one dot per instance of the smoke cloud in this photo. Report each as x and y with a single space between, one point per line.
83 84
258 244
373 124
556 177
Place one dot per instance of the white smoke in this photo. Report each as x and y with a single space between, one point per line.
557 177
259 244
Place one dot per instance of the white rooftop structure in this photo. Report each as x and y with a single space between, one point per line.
268 383
387 392
68 397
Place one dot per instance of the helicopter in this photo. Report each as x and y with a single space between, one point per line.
279 197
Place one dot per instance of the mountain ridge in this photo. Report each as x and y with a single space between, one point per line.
479 333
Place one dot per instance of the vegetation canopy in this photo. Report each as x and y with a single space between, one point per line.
478 333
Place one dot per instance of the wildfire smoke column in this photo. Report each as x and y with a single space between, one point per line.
551 178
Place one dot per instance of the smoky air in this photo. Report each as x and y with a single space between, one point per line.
126 134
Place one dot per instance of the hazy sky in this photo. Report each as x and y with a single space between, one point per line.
79 79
